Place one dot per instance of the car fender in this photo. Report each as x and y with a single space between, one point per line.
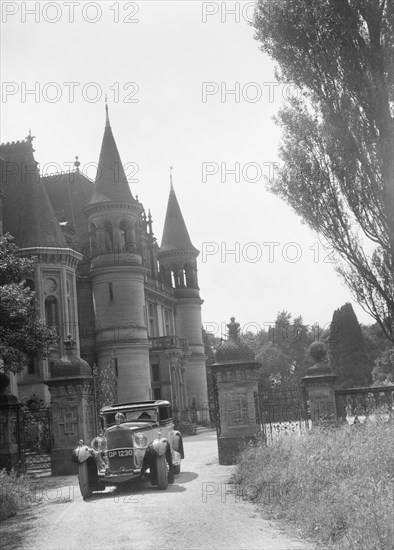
81 454
177 443
159 446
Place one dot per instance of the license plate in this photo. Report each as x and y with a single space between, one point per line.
120 453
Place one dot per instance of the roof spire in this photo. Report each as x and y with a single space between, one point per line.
107 123
171 186
111 182
30 138
175 234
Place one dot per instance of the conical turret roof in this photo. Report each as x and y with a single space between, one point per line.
175 233
111 182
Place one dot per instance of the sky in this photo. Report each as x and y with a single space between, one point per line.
187 87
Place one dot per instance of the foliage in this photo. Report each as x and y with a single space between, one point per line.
282 350
375 342
209 343
15 493
346 349
383 372
332 483
185 427
23 334
337 171
379 353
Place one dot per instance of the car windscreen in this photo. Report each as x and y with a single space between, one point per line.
141 415
136 415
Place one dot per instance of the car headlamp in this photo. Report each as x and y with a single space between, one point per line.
99 444
140 439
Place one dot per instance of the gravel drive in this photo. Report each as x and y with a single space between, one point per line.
201 510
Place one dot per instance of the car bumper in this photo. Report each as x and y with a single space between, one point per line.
119 477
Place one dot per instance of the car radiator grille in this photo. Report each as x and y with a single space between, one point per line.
119 440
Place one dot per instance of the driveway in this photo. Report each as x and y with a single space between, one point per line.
202 509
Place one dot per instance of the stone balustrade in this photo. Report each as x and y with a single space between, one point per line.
163 343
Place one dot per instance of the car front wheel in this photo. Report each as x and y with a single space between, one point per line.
162 473
84 479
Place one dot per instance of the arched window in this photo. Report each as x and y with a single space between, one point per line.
32 365
152 319
108 237
191 278
174 281
93 240
51 311
29 283
122 236
126 236
168 322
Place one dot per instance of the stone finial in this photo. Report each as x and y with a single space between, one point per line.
233 329
70 365
318 351
29 137
69 344
77 164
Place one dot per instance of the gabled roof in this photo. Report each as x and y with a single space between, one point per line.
175 233
111 182
69 193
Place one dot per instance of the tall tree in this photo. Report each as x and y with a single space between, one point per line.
375 342
284 351
383 371
346 352
337 151
23 335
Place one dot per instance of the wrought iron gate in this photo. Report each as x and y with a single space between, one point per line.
214 406
105 385
35 439
283 411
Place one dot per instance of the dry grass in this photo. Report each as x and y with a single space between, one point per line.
15 494
337 485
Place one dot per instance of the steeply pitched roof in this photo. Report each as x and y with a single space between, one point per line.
175 233
27 211
111 182
69 193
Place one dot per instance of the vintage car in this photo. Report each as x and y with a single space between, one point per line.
135 437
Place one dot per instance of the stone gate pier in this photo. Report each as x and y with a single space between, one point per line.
9 406
320 383
235 374
73 410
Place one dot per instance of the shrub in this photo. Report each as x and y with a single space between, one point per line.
338 485
15 493
185 427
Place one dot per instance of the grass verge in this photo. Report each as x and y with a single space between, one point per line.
337 485
15 494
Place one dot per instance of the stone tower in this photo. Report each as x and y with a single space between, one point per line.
117 275
178 267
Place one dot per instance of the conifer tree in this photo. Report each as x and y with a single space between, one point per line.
346 351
